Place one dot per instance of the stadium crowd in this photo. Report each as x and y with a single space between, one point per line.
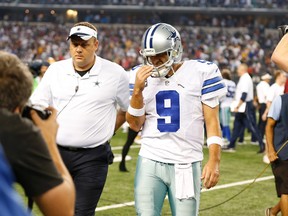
194 3
226 40
120 43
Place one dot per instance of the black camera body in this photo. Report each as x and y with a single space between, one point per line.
283 29
42 112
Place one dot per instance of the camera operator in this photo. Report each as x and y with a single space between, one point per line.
30 147
280 53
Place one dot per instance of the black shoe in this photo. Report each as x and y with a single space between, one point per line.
122 167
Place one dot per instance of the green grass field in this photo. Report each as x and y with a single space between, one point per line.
243 165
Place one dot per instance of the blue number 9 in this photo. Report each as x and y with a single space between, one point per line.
167 105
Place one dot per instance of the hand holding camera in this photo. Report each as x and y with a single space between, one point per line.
45 119
41 111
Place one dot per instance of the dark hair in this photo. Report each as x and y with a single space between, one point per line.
16 82
226 74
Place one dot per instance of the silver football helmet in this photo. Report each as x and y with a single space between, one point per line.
161 38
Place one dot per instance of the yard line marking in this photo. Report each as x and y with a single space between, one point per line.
115 206
103 208
120 147
237 183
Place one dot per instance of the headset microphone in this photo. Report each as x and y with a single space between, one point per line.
76 89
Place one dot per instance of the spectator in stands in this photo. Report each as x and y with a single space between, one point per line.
120 44
172 107
277 151
87 90
31 150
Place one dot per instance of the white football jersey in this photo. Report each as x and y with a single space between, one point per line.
226 100
132 77
174 128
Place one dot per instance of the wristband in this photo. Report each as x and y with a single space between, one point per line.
214 140
136 112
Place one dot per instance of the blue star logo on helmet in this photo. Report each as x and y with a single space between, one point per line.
173 35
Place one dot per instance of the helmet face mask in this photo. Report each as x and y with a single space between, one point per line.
162 69
158 39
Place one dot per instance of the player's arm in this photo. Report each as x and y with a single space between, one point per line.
273 117
241 101
120 119
57 201
280 53
210 174
264 115
269 132
135 115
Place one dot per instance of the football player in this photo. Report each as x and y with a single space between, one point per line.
171 102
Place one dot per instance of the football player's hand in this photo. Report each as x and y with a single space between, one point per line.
142 74
210 174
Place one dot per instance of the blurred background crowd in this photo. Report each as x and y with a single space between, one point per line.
226 32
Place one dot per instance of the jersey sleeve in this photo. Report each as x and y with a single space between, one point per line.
275 108
213 84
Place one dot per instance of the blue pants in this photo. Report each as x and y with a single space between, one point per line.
241 119
154 180
88 168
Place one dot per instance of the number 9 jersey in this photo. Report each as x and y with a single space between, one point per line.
173 131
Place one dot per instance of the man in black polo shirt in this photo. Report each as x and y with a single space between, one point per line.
277 149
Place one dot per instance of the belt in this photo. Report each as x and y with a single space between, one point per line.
70 148
170 164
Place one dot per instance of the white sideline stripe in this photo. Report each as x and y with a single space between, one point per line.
237 183
203 190
120 147
115 206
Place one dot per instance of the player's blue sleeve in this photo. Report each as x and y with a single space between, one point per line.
275 108
244 96
213 84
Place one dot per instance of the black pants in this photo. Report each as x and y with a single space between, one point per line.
130 139
89 169
241 119
261 123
